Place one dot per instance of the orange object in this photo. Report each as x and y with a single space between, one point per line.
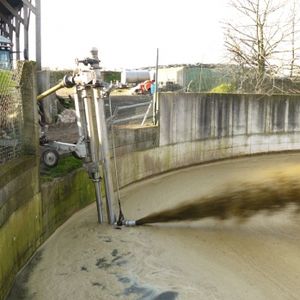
147 85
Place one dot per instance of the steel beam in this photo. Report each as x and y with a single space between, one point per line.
12 11
29 5
38 35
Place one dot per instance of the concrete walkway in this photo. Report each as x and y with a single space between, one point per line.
207 259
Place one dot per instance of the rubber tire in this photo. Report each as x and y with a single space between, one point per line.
50 158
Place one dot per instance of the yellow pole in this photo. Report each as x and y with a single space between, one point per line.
50 91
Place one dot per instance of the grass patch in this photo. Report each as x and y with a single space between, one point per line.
65 166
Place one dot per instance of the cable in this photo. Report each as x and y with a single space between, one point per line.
121 216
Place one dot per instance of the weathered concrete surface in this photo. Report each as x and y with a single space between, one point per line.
198 128
50 102
189 116
28 213
230 118
133 138
30 111
206 259
20 199
63 196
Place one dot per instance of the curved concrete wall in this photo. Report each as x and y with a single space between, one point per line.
197 128
20 198
193 117
32 213
194 128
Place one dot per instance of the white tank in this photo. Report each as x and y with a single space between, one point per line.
134 76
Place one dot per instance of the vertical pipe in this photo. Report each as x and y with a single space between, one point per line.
81 118
38 35
17 39
26 28
93 166
91 132
78 115
97 184
155 106
103 140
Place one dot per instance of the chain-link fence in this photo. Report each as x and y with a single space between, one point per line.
11 115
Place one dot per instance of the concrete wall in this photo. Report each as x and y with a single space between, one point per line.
197 128
29 211
236 121
194 128
130 139
49 103
20 198
63 196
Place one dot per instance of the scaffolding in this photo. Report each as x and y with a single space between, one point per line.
15 18
11 116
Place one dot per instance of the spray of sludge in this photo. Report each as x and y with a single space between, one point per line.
242 203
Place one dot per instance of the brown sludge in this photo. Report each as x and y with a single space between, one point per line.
242 203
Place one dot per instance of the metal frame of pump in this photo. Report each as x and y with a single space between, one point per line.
92 145
5 53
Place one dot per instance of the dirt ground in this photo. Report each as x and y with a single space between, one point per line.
63 132
68 132
205 259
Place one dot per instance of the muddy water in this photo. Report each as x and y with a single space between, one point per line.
215 257
248 200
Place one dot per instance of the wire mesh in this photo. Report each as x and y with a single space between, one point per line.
127 110
11 115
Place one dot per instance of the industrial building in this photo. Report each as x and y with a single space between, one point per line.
194 78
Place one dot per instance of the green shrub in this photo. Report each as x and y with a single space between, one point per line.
224 88
65 165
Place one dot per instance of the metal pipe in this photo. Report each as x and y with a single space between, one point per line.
126 223
78 115
133 105
155 104
38 35
97 183
137 117
81 115
129 223
147 113
50 91
103 140
93 166
68 82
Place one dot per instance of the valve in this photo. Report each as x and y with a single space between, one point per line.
126 223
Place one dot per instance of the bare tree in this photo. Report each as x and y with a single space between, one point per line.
294 23
293 33
254 38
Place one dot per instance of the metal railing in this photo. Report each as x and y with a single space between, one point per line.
135 111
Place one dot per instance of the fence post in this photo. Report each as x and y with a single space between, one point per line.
30 111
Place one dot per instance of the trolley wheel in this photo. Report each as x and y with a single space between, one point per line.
50 158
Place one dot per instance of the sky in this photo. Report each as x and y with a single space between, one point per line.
127 33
